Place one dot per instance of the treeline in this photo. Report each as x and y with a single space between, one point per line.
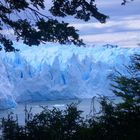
119 121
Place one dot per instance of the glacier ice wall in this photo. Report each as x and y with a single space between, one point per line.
51 72
6 89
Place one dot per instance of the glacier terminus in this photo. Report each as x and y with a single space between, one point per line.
55 72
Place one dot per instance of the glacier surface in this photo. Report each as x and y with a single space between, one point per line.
52 72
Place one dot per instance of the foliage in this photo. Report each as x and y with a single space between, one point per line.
52 124
29 22
126 1
68 124
122 120
128 86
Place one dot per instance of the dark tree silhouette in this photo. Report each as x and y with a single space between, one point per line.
29 23
128 86
126 1
33 27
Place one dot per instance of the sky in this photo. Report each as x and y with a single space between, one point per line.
122 28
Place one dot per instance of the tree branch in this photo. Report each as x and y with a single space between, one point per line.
37 12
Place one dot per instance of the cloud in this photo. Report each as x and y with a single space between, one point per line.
129 24
114 7
123 39
7 32
122 27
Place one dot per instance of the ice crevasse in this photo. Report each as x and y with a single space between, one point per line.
53 72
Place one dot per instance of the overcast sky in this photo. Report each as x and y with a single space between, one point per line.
122 28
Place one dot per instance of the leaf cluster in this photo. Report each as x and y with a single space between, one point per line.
112 124
28 22
128 86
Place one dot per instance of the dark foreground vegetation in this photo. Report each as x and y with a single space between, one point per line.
119 121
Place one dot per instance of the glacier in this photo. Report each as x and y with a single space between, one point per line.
54 72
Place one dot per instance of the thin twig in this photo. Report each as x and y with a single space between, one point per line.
38 13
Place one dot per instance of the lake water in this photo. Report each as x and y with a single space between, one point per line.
83 104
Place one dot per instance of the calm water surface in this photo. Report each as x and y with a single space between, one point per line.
83 104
